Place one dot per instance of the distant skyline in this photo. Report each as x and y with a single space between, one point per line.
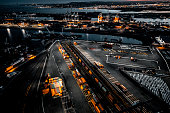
59 1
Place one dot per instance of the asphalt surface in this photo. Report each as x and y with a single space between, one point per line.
95 51
50 104
99 55
79 102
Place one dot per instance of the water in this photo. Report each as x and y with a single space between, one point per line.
9 33
98 37
95 37
33 9
46 1
21 33
66 10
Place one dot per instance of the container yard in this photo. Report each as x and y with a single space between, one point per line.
120 100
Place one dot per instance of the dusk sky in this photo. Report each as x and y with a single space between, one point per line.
57 1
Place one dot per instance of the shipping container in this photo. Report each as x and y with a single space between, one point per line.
56 86
86 68
83 80
98 64
90 72
104 89
117 107
110 97
96 80
123 87
80 60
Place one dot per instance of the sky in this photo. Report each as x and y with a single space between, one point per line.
56 1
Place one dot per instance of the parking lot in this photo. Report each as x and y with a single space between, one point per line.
133 56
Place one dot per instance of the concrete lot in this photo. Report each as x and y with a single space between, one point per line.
146 56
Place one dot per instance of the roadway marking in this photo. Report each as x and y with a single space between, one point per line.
137 49
41 73
126 65
150 50
159 68
149 60
139 59
163 59
59 70
52 45
42 104
65 96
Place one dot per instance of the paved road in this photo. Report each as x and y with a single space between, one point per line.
57 67
78 99
50 104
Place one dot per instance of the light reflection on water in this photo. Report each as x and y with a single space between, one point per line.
98 37
9 33
23 32
32 9
84 36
